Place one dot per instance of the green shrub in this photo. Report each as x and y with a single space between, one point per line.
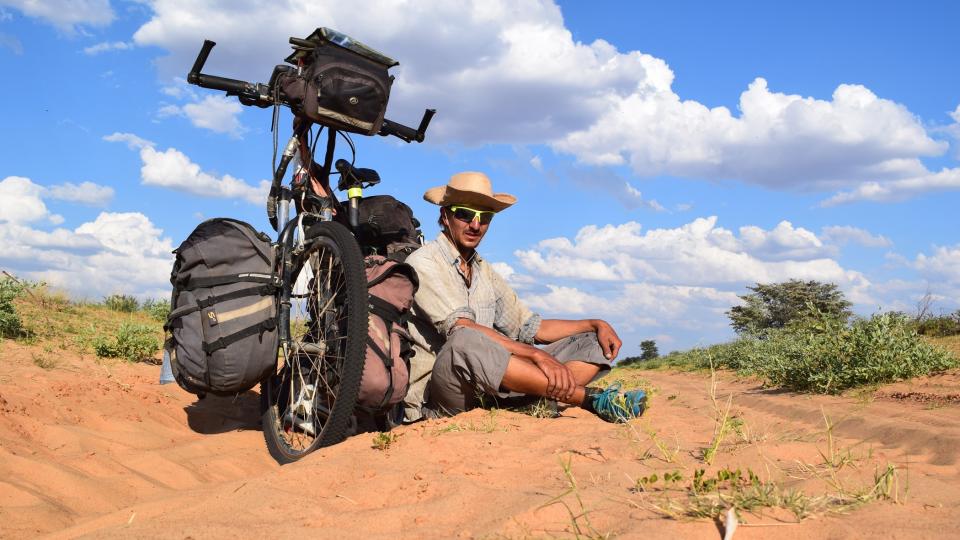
942 326
10 323
134 342
121 302
825 355
157 309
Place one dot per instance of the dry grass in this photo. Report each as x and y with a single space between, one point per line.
950 343
51 318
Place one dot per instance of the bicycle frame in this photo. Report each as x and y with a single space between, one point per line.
313 199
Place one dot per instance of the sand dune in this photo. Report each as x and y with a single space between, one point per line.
101 450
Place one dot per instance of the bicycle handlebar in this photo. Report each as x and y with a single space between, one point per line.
262 95
248 93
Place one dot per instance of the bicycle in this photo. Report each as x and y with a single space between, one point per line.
309 401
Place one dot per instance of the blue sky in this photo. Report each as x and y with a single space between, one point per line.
665 155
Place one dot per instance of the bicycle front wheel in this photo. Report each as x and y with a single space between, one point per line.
308 403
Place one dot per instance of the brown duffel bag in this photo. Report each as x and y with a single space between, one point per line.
386 368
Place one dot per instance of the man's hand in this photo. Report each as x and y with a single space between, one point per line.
609 340
560 381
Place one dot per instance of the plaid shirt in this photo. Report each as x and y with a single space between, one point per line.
444 297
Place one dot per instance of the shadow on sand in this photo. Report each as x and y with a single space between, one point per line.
220 414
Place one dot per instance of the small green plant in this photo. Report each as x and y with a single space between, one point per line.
835 459
383 440
488 425
723 423
669 454
580 524
157 309
121 302
886 484
135 342
648 482
11 326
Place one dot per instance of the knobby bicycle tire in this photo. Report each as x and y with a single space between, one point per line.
309 402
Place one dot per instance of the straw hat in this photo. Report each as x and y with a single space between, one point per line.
469 189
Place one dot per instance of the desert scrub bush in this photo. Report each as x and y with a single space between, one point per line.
10 323
939 326
134 342
829 356
826 355
157 309
121 302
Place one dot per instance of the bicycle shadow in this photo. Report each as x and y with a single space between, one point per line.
220 414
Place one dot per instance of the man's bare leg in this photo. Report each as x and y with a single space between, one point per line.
583 372
525 377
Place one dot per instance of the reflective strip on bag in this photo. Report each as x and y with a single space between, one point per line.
349 120
264 304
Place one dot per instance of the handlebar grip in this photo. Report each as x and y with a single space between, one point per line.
400 131
230 86
194 74
408 134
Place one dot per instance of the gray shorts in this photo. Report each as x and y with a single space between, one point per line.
471 364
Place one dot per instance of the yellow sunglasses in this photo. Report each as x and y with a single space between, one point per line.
467 214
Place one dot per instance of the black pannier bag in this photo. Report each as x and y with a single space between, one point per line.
343 84
388 227
222 325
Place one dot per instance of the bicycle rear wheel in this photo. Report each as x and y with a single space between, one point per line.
309 402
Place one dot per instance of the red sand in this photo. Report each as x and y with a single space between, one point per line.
103 451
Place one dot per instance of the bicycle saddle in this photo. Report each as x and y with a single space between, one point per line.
351 176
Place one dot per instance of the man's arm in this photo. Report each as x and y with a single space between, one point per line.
556 329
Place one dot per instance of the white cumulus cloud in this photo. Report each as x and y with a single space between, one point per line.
698 253
511 72
116 252
87 193
105 46
172 169
21 202
66 15
942 265
684 279
898 190
844 234
219 114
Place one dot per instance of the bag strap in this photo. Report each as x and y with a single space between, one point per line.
387 311
214 346
388 363
262 290
190 284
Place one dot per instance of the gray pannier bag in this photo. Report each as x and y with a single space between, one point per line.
222 325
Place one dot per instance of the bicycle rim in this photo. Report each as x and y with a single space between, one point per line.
309 402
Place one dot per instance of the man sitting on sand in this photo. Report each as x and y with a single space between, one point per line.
477 337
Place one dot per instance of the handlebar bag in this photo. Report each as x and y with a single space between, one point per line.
386 367
222 327
339 88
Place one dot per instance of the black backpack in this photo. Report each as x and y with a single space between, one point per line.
388 227
343 84
222 325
